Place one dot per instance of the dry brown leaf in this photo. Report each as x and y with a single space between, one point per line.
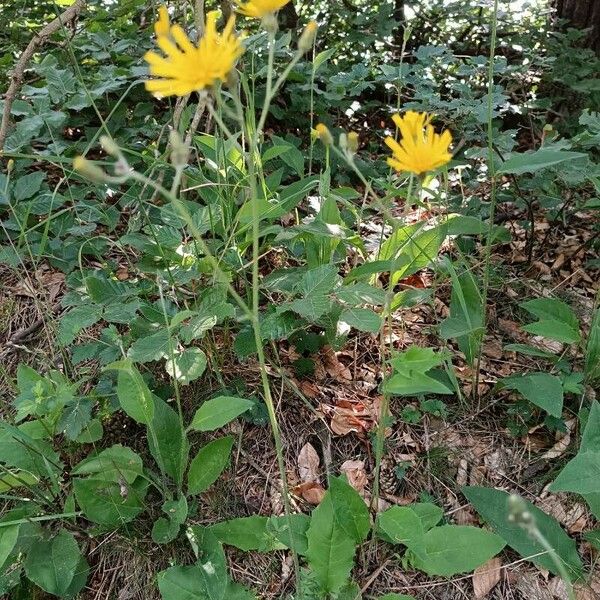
311 492
333 366
562 444
308 463
355 472
486 577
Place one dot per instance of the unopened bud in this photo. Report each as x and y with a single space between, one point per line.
110 146
518 511
179 150
307 39
353 142
10 166
270 23
324 134
88 169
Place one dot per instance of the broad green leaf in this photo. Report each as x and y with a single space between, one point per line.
319 281
401 525
208 464
171 447
581 475
492 505
182 583
530 162
113 464
331 550
52 564
415 384
8 539
290 531
543 389
397 597
247 533
212 563
165 531
554 330
452 549
362 319
217 412
150 348
187 365
75 320
360 293
312 307
108 502
590 440
133 393
349 509
322 58
557 321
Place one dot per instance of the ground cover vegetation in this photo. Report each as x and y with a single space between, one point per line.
299 300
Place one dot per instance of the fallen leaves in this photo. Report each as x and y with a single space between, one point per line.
486 577
308 469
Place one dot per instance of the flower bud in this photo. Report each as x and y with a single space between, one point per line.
324 134
308 36
179 150
88 169
518 512
110 146
353 142
270 23
10 166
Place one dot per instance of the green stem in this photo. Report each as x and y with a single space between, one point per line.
493 196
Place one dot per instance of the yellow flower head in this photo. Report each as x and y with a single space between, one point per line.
324 134
260 8
162 27
420 149
188 68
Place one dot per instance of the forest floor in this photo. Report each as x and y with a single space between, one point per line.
328 417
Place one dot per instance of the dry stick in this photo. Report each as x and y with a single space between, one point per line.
19 71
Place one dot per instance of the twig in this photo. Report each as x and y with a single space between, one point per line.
19 71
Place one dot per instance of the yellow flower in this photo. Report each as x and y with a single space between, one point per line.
162 27
420 149
188 68
260 8
324 134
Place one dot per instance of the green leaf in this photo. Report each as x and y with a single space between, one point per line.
543 389
311 308
350 511
290 531
113 464
362 319
397 597
593 537
150 348
581 475
165 531
9 535
52 564
452 549
28 185
322 58
187 365
557 321
217 412
247 533
331 550
492 505
592 350
530 162
108 502
407 524
208 464
171 447
133 393
75 320
360 293
182 583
